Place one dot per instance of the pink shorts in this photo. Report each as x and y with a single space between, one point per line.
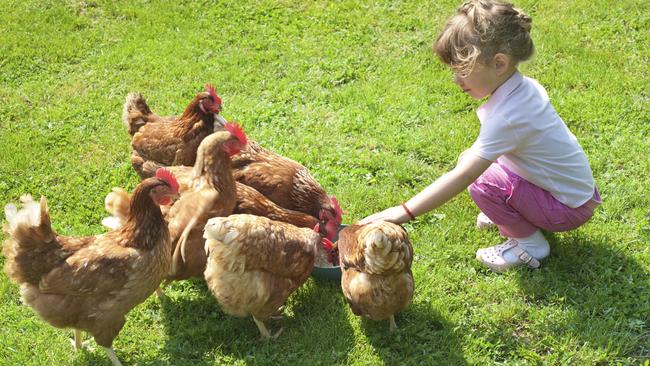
519 208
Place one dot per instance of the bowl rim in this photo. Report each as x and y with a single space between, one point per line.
333 267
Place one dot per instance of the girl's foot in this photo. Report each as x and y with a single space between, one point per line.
484 222
515 252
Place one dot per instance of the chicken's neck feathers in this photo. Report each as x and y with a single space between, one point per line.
218 173
193 120
145 226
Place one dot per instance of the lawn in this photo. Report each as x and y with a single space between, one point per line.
353 91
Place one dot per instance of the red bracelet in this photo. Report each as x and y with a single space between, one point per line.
408 211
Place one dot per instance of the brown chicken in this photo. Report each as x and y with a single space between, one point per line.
213 194
288 184
376 263
170 140
90 283
255 263
249 201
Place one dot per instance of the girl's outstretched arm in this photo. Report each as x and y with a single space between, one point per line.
470 166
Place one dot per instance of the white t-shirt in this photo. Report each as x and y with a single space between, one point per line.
520 127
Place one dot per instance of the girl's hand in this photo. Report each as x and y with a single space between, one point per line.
395 215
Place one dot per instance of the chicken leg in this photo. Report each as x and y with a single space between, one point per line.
266 335
77 342
393 326
111 354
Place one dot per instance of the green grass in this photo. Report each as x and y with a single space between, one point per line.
354 92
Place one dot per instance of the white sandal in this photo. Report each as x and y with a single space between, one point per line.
483 222
492 257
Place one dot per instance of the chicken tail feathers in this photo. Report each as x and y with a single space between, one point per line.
386 248
29 231
135 112
32 221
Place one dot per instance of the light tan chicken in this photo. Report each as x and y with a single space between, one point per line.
376 263
90 283
254 264
214 194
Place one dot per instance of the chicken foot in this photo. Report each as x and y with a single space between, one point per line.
266 335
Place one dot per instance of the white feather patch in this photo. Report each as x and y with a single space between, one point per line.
11 212
112 222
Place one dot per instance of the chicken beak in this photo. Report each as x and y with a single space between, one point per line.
219 122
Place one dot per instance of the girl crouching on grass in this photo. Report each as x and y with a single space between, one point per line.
526 171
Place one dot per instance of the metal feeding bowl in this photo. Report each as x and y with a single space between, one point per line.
329 273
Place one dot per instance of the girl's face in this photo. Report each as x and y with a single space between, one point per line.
481 82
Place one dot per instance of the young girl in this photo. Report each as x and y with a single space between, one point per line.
526 171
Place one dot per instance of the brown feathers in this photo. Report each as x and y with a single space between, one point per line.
376 264
255 263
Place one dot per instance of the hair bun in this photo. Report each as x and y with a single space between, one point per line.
525 22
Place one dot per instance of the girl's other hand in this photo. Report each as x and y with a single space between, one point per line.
395 215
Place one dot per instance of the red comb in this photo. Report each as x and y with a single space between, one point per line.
167 177
213 93
337 209
327 244
236 131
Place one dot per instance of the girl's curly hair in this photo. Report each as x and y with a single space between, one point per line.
480 30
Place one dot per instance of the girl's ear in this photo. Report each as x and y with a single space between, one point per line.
502 63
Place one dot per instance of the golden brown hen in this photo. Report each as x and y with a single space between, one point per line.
214 194
254 264
376 263
288 184
170 140
90 283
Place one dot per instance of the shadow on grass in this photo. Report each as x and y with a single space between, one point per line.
92 358
423 337
200 333
606 294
